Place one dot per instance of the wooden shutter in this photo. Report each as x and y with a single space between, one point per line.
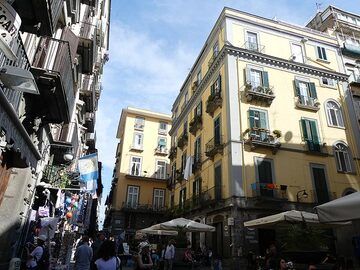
297 88
324 53
304 131
247 75
263 120
251 118
312 89
217 132
212 89
265 176
219 83
265 78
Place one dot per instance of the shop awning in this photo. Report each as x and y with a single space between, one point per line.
183 224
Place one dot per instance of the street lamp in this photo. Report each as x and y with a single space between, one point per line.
301 194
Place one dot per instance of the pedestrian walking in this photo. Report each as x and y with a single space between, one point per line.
83 255
107 257
143 258
169 255
37 258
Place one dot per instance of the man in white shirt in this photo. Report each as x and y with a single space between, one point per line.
169 255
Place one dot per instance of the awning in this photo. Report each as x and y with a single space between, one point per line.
157 232
289 217
183 224
343 209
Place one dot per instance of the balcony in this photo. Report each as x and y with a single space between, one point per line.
259 137
87 92
172 154
90 121
213 102
259 93
183 140
139 126
143 177
136 148
179 175
87 48
39 17
195 85
214 146
52 68
254 46
307 103
91 3
197 163
316 148
161 151
195 124
354 80
143 208
269 191
351 50
57 176
90 139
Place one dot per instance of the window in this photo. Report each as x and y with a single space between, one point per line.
264 170
306 92
216 86
258 124
215 49
182 198
161 169
173 173
186 97
185 127
138 141
197 187
198 109
297 53
334 115
218 182
159 198
257 77
161 144
135 167
321 53
198 77
343 161
172 200
183 162
252 41
132 196
162 127
310 135
327 82
139 123
197 150
217 131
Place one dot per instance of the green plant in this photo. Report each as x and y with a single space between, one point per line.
277 133
246 131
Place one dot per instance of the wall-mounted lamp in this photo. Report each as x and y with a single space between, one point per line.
68 155
301 194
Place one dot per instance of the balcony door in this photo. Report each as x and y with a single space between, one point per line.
252 41
132 196
161 169
311 135
265 176
218 182
320 184
217 131
159 198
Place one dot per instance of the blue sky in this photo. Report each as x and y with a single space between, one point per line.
153 45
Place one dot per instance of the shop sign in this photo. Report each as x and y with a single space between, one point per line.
9 28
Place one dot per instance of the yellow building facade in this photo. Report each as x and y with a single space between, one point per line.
259 127
138 194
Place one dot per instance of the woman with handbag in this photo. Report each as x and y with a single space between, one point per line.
107 257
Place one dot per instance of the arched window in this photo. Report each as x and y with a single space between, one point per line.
334 114
343 161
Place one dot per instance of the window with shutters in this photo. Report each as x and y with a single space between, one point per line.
342 156
182 198
306 95
311 135
183 162
334 114
216 49
160 169
161 146
135 166
132 196
159 199
327 82
197 150
321 53
265 175
196 190
198 109
196 122
162 127
214 101
259 127
216 86
138 141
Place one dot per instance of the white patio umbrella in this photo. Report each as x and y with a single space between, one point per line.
343 209
184 224
157 232
288 217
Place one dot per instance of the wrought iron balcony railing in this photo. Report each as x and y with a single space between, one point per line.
213 102
195 124
269 190
214 146
137 207
161 150
183 140
197 163
172 154
308 103
259 93
254 46
259 137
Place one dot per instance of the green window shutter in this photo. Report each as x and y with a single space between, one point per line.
247 73
312 90
314 132
263 120
318 52
251 118
219 83
297 88
324 53
212 89
265 78
200 108
304 131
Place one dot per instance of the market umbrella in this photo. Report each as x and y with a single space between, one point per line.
288 217
183 224
343 209
157 232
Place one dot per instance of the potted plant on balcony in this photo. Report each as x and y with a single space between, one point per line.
277 133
